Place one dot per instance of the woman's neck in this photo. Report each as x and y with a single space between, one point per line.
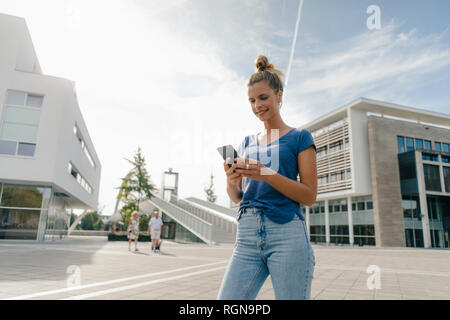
275 123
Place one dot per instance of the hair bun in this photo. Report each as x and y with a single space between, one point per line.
262 64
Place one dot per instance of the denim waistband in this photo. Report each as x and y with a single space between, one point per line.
250 209
256 210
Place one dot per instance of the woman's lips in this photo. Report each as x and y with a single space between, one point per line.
261 112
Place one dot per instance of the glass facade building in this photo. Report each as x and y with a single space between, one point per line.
338 211
433 168
30 213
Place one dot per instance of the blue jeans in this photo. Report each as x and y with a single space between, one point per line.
265 247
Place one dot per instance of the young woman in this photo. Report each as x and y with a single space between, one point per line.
271 235
133 230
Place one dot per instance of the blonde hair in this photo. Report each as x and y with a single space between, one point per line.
135 213
266 71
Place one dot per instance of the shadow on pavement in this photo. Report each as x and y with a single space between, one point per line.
30 260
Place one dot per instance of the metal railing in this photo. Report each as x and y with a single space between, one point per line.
232 213
193 223
214 219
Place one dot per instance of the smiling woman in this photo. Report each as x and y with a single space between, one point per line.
271 235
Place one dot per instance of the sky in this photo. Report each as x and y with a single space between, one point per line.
169 76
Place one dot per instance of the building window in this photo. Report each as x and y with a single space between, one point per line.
20 123
427 145
446 171
409 144
323 179
80 139
339 234
401 144
83 183
437 146
337 205
429 157
348 174
419 144
361 206
445 159
335 146
414 237
432 178
369 205
317 233
446 147
321 151
364 234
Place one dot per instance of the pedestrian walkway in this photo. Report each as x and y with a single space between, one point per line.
93 268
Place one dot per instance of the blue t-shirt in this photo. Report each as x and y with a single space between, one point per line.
281 156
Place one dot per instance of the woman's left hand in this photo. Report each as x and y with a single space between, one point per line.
253 169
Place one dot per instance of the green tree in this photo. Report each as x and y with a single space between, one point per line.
136 187
92 221
143 222
126 212
209 190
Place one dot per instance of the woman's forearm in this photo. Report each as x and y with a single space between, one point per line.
292 189
234 192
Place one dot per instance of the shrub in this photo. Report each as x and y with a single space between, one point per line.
143 237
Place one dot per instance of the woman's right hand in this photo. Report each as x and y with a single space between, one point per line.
233 178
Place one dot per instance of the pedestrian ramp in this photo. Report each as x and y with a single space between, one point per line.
211 227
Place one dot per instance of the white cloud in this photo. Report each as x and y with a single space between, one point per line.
385 64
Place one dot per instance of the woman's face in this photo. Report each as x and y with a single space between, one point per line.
265 103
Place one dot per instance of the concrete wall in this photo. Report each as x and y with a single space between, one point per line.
359 156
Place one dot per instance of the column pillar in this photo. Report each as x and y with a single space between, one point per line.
350 220
423 200
441 174
327 223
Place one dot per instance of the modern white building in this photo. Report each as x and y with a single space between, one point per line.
383 176
48 163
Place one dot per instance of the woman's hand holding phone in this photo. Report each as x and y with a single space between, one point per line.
233 178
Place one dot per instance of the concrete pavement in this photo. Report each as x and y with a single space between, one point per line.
93 268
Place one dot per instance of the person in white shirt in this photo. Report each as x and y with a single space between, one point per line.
155 225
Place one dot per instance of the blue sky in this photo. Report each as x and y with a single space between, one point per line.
169 75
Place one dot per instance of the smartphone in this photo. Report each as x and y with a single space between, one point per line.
228 151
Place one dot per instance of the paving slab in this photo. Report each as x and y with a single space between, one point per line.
107 270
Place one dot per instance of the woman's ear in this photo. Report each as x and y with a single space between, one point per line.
280 97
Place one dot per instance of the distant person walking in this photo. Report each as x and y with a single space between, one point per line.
271 234
154 228
133 230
